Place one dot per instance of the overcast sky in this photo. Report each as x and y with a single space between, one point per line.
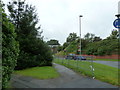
58 18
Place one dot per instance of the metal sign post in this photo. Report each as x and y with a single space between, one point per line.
116 24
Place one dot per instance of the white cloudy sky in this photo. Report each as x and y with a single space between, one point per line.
58 18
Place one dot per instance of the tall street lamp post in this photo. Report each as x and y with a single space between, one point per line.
80 34
80 37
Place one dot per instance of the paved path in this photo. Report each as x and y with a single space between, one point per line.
67 79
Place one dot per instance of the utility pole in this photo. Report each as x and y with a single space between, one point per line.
80 37
80 33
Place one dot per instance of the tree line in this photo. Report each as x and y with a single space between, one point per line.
91 44
22 43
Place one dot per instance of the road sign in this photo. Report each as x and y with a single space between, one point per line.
116 23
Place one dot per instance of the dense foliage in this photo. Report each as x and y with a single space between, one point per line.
104 47
33 50
22 43
36 54
91 44
10 49
53 42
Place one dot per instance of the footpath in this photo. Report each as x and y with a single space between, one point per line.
67 79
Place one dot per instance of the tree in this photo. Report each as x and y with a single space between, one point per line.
24 17
33 50
65 45
103 47
114 34
53 42
72 37
89 37
59 48
96 39
10 49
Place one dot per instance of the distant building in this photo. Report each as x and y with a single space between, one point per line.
53 48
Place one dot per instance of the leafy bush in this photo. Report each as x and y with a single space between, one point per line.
37 53
33 51
10 50
72 48
104 47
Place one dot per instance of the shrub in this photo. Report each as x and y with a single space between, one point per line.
33 51
37 53
10 50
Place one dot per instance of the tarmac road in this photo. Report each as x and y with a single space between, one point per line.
109 63
67 79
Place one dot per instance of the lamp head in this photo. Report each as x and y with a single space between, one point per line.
80 16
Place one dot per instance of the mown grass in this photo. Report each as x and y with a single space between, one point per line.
101 72
9 85
106 59
45 72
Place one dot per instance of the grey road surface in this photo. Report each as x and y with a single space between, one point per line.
109 63
67 79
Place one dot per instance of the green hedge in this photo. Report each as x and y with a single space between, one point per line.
33 50
104 47
10 50
37 53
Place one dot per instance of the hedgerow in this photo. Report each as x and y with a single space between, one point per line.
10 49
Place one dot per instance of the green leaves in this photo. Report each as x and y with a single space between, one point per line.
114 35
10 50
53 42
104 47
72 37
93 45
33 51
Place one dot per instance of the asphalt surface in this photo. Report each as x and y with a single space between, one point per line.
109 63
115 64
67 79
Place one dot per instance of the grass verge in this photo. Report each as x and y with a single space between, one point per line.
9 85
101 72
106 59
45 72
